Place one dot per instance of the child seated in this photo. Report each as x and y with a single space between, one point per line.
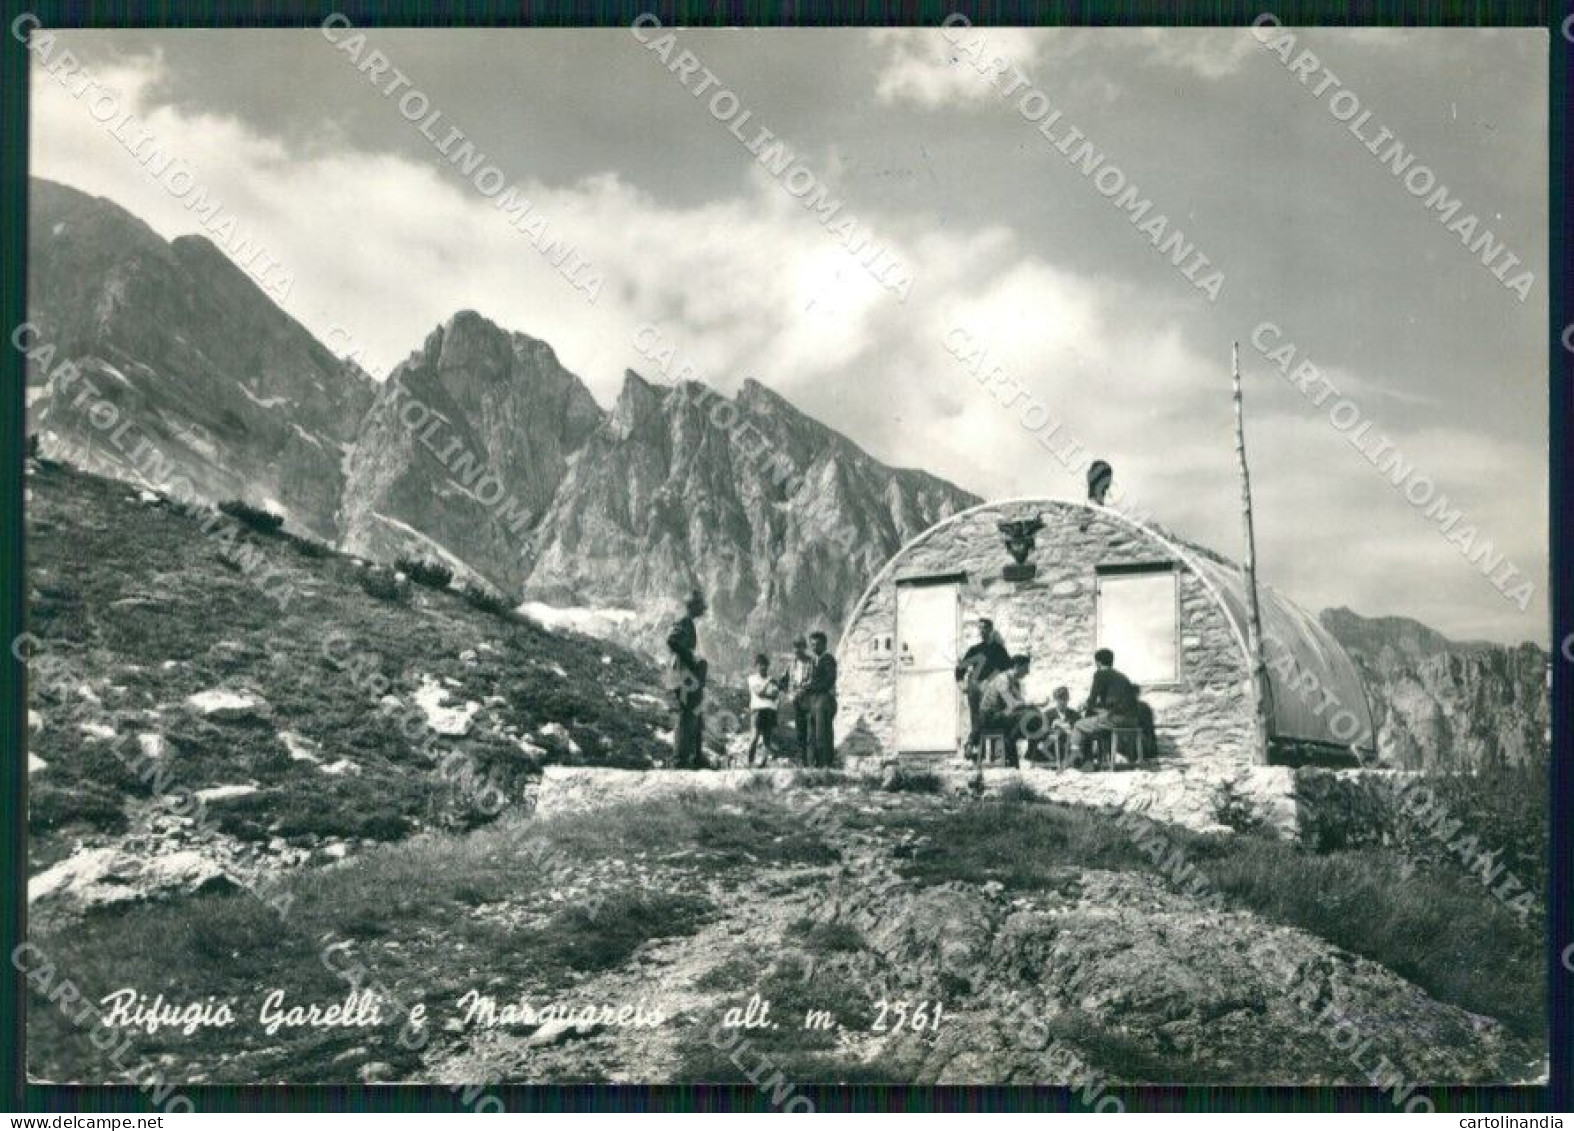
1061 717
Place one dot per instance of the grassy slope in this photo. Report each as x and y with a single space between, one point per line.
138 608
1437 928
506 908
143 613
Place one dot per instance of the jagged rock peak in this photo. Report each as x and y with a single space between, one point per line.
757 396
468 339
638 401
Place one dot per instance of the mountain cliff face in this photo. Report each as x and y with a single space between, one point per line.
481 450
219 386
1442 705
463 451
780 520
484 451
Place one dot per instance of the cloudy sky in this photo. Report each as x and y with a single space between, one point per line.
1007 244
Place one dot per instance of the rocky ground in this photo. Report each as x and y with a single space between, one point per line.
222 808
1073 960
1032 984
207 700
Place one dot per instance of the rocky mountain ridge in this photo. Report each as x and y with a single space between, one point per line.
181 367
1444 705
483 451
463 450
779 519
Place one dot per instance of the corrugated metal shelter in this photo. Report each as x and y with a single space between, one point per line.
1318 695
1173 612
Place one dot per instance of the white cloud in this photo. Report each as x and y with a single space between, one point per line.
934 68
1210 53
931 68
387 248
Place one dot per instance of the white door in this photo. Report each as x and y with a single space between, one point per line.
926 657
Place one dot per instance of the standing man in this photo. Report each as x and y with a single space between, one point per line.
980 663
686 673
822 703
798 687
1112 702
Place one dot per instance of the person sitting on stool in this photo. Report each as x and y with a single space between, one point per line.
1003 709
1061 718
1112 703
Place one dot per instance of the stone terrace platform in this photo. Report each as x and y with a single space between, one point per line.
1320 807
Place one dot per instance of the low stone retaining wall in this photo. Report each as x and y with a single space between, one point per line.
575 789
1203 799
1321 808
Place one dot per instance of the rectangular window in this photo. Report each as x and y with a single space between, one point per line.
1139 620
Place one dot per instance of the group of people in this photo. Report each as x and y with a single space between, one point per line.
991 678
807 689
989 675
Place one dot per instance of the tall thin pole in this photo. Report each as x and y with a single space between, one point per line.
1261 693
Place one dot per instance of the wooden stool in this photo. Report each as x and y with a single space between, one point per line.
1132 736
993 742
1060 742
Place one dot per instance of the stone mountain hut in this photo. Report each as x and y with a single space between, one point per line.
1173 613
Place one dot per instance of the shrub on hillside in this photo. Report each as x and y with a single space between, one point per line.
309 547
1234 810
424 571
312 809
487 601
475 786
257 518
902 779
1504 808
1017 792
95 805
384 585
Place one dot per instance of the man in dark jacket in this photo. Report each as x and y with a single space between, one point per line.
1112 702
686 673
980 663
821 693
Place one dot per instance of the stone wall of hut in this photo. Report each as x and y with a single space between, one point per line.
1205 717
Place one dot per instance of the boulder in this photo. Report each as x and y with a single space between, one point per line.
560 732
107 877
556 1032
224 793
377 1072
229 706
186 873
451 722
301 749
